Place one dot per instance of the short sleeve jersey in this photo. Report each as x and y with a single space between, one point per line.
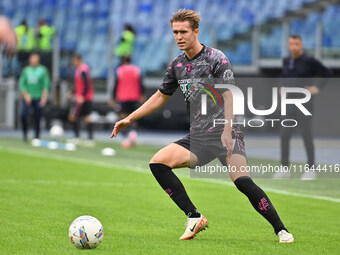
198 76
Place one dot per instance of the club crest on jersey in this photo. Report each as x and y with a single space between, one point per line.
189 68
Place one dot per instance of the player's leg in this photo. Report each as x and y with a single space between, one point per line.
257 197
130 133
161 165
89 127
86 111
74 119
285 136
37 115
23 116
305 123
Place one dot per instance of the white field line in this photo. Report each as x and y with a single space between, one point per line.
76 183
142 169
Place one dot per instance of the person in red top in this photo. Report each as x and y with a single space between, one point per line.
128 92
83 92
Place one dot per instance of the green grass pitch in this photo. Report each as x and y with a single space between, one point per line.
43 191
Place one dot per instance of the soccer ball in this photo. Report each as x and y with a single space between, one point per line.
56 131
86 232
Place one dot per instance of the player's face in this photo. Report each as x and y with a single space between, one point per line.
295 46
184 35
34 60
75 61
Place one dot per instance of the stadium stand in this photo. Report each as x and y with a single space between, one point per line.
83 26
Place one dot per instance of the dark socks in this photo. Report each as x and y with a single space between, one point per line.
76 128
174 188
90 130
260 202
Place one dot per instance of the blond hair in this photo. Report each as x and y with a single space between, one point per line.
189 15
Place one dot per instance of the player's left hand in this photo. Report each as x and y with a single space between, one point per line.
119 126
43 102
227 141
80 99
314 90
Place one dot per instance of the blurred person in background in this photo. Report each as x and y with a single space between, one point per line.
83 92
300 65
8 38
44 34
26 42
125 46
127 94
34 84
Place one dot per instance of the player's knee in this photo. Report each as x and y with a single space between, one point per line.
157 159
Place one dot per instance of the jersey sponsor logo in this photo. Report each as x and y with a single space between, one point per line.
179 64
189 68
188 86
202 63
224 61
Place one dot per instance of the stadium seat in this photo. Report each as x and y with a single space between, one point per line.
90 20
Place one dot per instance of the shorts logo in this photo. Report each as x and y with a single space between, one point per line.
228 74
189 68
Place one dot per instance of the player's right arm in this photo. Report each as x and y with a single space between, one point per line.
155 102
24 87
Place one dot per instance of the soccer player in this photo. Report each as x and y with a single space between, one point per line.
128 91
83 91
300 65
200 61
34 83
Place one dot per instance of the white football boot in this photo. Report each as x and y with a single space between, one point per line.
282 173
193 226
285 237
308 176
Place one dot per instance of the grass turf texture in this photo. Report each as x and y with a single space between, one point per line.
43 191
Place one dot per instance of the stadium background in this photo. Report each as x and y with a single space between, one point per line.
42 191
253 34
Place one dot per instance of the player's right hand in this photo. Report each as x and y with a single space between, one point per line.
119 126
27 99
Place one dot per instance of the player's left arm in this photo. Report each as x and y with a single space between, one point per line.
226 138
321 71
46 85
24 87
223 71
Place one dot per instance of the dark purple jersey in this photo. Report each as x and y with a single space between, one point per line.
196 77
